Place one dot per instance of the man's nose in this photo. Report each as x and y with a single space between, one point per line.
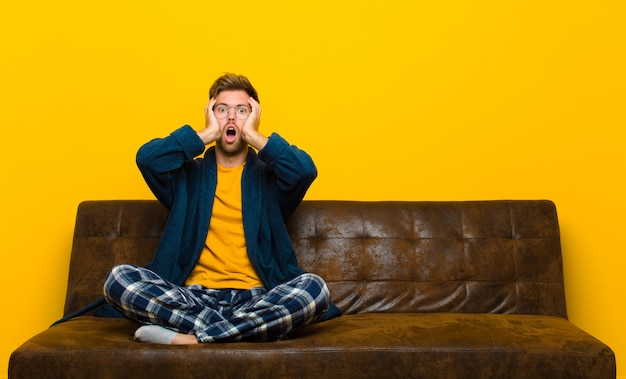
231 113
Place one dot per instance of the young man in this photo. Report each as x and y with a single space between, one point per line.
225 269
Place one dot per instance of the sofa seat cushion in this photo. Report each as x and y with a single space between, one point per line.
375 345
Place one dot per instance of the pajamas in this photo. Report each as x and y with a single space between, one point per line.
217 315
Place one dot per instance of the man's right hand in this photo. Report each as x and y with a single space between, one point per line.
211 132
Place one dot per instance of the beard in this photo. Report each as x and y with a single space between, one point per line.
233 149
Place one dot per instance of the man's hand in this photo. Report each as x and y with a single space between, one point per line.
250 131
211 132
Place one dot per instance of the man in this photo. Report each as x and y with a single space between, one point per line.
225 269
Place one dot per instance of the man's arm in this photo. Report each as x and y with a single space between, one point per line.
294 170
293 167
161 159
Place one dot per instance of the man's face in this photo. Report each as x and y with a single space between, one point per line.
230 142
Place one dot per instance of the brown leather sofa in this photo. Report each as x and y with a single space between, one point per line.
428 290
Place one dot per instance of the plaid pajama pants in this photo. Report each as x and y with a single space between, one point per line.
217 315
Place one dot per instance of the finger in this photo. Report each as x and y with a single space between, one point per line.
210 105
254 105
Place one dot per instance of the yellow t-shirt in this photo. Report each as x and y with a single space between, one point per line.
224 262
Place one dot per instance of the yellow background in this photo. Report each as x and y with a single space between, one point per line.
395 100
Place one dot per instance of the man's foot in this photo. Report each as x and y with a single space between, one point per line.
162 335
184 339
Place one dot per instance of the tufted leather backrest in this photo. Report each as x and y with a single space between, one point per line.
107 233
470 257
499 256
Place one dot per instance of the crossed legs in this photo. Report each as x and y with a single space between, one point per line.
197 314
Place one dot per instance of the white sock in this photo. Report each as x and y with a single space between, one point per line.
155 334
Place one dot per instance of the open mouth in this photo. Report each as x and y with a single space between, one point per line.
231 134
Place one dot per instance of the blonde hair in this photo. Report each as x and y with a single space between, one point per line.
233 82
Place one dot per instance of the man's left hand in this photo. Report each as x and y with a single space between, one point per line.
250 132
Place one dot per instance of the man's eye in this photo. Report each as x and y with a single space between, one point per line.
242 110
222 109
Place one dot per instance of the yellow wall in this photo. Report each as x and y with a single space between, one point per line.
421 100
